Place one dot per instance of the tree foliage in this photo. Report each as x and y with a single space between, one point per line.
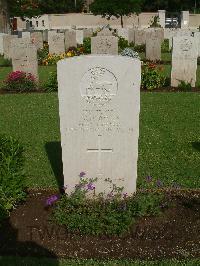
116 8
32 8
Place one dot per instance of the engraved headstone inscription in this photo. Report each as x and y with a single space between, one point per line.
99 120
104 45
184 61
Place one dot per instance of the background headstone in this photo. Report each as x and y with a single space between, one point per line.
79 36
184 61
99 120
197 38
1 43
7 45
56 42
24 56
140 37
104 45
26 34
37 39
70 39
154 39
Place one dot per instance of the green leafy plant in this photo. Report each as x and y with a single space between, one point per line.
155 22
5 62
122 43
111 214
165 46
42 54
185 86
12 178
87 45
51 83
20 81
140 48
152 77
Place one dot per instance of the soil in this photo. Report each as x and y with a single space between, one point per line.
173 234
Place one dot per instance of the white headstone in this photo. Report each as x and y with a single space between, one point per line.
7 45
70 39
104 45
184 61
56 42
154 38
99 120
127 34
79 36
197 38
26 34
24 56
37 39
140 37
1 43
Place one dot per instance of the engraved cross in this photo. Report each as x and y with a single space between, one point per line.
100 150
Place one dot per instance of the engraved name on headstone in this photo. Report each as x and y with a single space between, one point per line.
99 120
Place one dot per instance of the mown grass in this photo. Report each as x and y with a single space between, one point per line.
169 144
17 261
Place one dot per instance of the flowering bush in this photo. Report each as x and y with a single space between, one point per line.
20 81
42 54
152 77
111 214
130 53
52 59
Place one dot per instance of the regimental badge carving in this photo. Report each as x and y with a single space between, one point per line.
98 86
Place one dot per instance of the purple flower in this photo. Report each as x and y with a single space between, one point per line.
82 174
50 200
90 186
149 178
159 183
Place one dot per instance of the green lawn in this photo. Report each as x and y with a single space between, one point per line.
16 261
169 145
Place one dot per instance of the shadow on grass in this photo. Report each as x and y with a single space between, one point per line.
196 146
54 152
13 251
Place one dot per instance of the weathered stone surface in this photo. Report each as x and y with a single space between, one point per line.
1 43
197 38
154 38
7 45
140 37
37 39
104 45
24 56
184 61
56 42
79 36
26 34
104 32
99 120
127 34
70 39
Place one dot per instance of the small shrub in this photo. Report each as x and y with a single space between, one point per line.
12 178
20 81
87 45
140 48
185 86
152 77
122 43
165 46
5 62
42 54
155 22
52 83
113 214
